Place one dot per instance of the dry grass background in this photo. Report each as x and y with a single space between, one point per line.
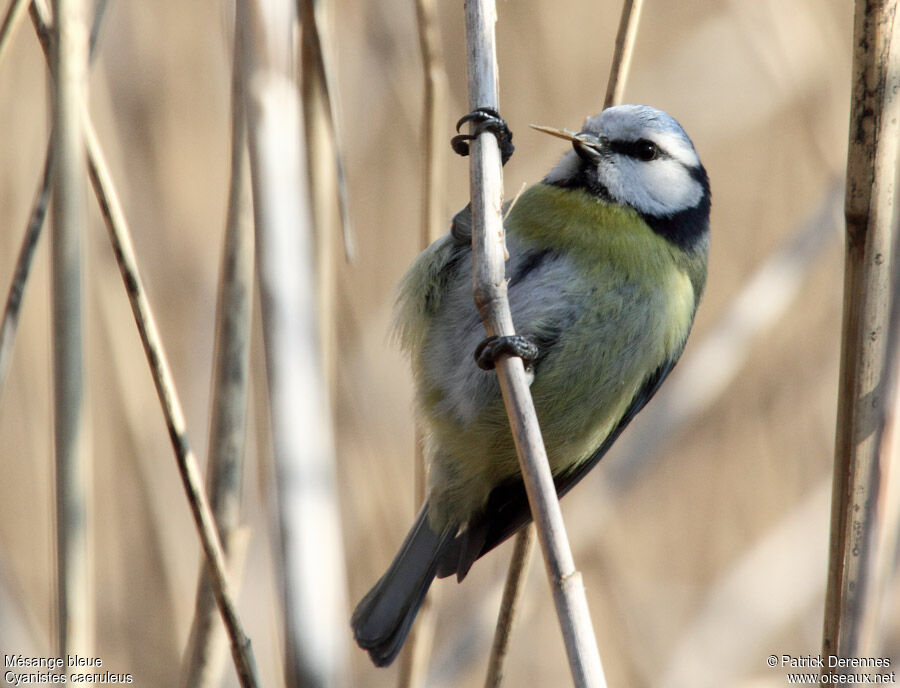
711 558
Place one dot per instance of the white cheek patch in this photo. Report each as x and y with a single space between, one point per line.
661 187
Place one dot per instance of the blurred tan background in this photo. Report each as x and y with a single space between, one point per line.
703 552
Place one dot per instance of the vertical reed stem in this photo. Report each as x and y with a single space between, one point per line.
869 208
492 303
204 658
621 62
313 577
14 12
69 61
417 650
23 268
509 605
187 464
519 562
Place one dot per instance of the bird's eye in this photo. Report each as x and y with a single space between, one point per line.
646 150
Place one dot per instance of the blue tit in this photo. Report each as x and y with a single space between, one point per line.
607 264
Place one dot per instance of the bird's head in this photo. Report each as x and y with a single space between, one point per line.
637 156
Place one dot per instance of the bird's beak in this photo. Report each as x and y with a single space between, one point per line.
588 145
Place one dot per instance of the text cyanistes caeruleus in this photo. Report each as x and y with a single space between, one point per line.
607 263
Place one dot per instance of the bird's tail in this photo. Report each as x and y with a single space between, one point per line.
382 619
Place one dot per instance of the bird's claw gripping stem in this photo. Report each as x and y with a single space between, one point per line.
492 348
484 119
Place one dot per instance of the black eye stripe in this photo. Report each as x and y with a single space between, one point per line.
638 149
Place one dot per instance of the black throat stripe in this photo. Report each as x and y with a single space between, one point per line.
686 229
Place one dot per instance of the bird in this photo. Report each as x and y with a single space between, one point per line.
607 262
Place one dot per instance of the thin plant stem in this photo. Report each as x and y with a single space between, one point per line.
695 385
99 13
40 20
881 567
434 107
319 97
322 164
36 218
519 562
871 176
162 378
493 305
228 418
313 580
417 650
14 13
621 63
509 605
875 544
69 62
23 268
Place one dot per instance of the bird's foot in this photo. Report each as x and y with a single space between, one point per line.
492 348
484 119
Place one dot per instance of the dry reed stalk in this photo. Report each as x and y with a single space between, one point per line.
434 145
40 20
621 63
328 180
880 569
879 565
14 12
162 379
36 217
205 654
509 605
871 176
417 650
705 372
493 305
22 269
69 62
99 13
323 161
518 566
313 578
174 416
